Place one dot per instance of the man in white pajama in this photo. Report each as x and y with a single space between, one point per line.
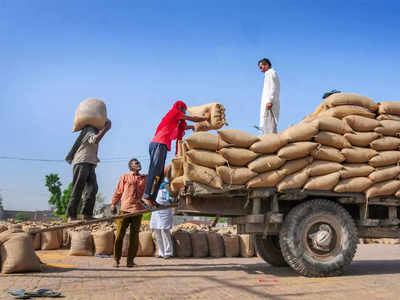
270 106
161 223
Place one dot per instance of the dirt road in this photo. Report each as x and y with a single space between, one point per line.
375 274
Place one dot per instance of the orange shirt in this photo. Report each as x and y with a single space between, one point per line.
129 191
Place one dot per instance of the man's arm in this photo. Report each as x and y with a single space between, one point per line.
97 138
197 119
272 83
118 193
189 127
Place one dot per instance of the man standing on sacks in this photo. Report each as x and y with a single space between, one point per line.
270 104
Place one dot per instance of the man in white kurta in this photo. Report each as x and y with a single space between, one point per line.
270 106
161 223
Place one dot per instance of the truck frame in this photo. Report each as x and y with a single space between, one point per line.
314 232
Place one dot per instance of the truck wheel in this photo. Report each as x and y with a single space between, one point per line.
318 238
269 250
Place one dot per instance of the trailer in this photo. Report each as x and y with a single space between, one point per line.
314 232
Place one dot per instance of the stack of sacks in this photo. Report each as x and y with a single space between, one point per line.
214 160
349 144
217 116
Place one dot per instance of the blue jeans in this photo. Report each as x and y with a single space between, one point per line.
158 155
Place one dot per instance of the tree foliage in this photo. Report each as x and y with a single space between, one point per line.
21 217
1 202
58 199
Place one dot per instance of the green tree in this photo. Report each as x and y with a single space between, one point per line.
58 200
21 217
53 184
100 200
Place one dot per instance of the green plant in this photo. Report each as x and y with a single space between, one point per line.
21 217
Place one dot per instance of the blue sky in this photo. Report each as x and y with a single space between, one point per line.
140 56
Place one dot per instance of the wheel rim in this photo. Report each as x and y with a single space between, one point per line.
322 237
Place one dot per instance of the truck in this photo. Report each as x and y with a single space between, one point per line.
316 233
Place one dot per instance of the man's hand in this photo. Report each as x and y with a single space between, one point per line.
113 210
107 126
268 106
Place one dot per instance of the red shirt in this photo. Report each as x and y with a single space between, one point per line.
167 130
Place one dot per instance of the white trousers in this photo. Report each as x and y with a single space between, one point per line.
164 242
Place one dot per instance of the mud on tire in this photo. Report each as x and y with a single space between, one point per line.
318 238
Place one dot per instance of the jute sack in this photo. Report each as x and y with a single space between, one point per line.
50 240
303 131
177 184
266 163
235 175
384 188
215 244
81 243
3 228
146 245
332 139
322 167
361 139
334 125
267 179
237 156
327 153
356 170
294 181
177 167
90 112
397 194
351 99
18 255
35 237
384 173
385 158
296 150
246 245
388 117
205 141
199 243
269 143
206 158
217 116
347 110
232 246
361 124
293 166
201 174
353 185
358 154
388 127
238 138
322 183
386 143
103 241
183 243
389 107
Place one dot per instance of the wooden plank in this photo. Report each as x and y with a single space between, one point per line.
378 232
378 222
249 219
99 220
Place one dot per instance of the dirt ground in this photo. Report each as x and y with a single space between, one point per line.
374 274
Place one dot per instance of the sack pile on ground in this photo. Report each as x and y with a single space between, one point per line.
350 144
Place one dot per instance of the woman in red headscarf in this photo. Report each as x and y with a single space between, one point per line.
172 126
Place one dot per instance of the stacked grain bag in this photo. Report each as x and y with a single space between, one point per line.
349 144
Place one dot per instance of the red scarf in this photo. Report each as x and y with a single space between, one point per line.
171 126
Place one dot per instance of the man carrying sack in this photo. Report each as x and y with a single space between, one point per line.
129 191
270 106
83 156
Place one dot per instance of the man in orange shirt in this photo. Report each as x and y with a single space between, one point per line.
129 191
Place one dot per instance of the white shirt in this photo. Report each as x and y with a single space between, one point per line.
270 94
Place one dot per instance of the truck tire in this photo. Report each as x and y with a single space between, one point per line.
269 250
318 238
